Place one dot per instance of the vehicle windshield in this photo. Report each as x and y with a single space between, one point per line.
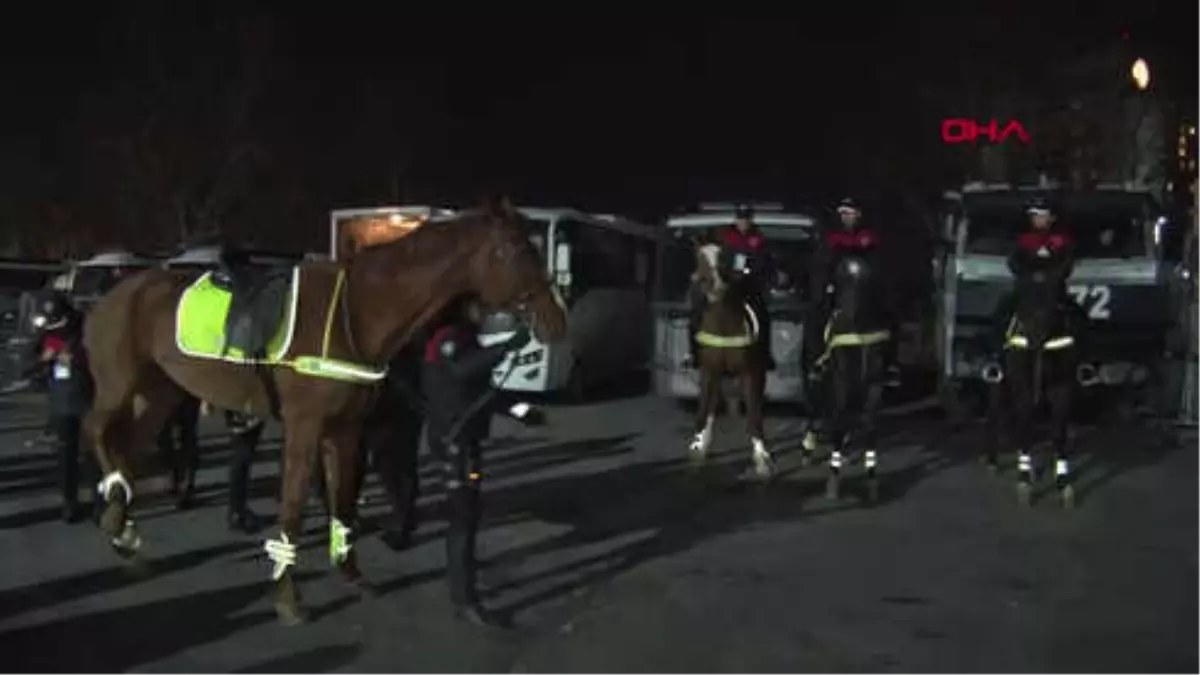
789 246
1107 235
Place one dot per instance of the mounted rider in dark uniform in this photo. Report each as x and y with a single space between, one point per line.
1042 249
749 264
456 377
851 237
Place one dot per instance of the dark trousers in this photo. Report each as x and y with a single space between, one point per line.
460 466
244 434
184 457
391 440
70 462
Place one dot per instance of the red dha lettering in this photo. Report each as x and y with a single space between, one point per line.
969 131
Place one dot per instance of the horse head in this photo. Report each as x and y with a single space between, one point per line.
508 273
708 277
1037 305
854 280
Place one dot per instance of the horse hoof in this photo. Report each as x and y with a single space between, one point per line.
1024 494
1067 495
112 519
291 615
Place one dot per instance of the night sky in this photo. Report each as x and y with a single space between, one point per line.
641 115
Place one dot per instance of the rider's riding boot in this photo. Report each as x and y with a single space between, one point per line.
460 559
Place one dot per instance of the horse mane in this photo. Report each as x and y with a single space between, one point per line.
425 240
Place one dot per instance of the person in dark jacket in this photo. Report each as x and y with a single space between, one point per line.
850 237
456 380
70 392
751 262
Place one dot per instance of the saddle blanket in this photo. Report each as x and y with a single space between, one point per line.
200 319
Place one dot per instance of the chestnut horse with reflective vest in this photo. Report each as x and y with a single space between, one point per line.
727 342
308 349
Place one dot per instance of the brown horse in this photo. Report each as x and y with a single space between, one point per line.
346 322
726 345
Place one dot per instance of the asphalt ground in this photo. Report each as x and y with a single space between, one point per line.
612 556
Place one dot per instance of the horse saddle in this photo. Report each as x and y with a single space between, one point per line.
256 306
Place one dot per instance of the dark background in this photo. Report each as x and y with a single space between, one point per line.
144 123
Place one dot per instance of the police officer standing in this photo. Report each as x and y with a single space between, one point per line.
851 236
70 390
456 377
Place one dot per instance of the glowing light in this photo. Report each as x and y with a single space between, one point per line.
1141 74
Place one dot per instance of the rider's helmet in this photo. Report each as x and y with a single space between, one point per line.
849 211
1041 211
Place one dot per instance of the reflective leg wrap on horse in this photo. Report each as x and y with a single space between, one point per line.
117 492
1024 467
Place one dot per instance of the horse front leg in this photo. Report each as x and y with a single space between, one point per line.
1060 397
837 409
343 466
753 386
1023 405
706 406
302 439
868 430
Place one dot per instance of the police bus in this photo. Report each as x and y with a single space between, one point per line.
602 267
790 239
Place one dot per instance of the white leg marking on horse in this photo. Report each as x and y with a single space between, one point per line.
870 459
1061 468
282 552
112 480
835 459
702 441
761 457
1024 462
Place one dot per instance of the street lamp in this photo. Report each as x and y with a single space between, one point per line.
1141 74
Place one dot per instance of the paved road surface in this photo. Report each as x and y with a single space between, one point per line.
614 559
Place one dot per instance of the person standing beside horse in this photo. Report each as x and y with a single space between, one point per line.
456 377
70 391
